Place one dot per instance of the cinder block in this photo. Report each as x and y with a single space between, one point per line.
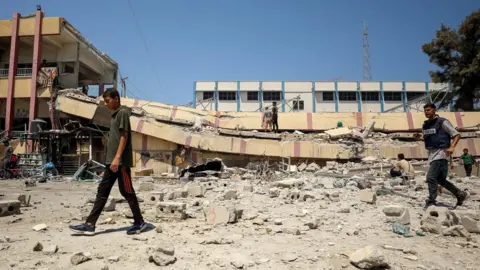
8 208
157 196
196 191
217 214
172 210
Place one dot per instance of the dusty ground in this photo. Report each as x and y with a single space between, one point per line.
253 242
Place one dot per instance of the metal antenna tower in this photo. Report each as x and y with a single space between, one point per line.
367 72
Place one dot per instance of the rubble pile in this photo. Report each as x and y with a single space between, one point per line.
337 216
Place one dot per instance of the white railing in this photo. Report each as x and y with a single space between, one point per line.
3 72
24 72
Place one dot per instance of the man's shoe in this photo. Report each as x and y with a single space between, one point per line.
84 229
136 229
429 203
462 196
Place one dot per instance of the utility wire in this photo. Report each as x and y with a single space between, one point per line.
144 40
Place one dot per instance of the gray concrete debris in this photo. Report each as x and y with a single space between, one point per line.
368 196
196 190
10 207
161 259
80 257
217 214
230 195
288 183
172 210
457 230
369 257
110 206
166 248
470 224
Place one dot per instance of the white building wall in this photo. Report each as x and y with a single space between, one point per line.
205 86
370 86
248 105
272 86
323 106
370 106
227 106
227 86
347 106
306 97
390 104
392 86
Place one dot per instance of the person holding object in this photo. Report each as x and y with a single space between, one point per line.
267 120
440 139
402 168
467 161
119 159
275 117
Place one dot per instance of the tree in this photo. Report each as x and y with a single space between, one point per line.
457 54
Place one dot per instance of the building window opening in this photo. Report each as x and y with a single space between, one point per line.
252 96
207 95
272 96
392 96
347 96
230 95
414 95
298 105
327 96
68 68
370 96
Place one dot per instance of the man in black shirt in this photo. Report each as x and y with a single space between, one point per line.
119 160
275 117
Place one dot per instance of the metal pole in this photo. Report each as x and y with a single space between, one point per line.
90 154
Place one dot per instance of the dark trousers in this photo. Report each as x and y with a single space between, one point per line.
437 175
126 189
275 123
468 169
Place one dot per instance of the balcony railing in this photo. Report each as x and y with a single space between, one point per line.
21 72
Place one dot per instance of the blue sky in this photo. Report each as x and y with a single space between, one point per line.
254 39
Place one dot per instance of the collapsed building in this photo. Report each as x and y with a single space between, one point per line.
161 130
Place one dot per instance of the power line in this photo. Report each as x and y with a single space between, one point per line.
144 40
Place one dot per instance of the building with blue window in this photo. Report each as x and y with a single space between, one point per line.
313 96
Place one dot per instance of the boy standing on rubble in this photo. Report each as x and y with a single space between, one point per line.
467 161
118 161
275 117
440 139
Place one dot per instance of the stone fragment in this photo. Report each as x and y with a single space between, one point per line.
302 167
246 188
80 257
293 195
230 195
196 191
445 216
312 167
368 196
113 258
456 230
369 257
9 207
289 257
470 224
161 259
313 224
288 183
157 196
339 183
393 210
236 177
430 224
38 247
146 186
176 194
40 227
50 250
404 219
274 192
110 206
139 238
158 229
221 214
166 248
172 210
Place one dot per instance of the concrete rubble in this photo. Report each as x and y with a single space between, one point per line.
319 216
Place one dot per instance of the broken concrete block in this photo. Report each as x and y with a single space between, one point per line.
177 194
222 214
166 248
11 207
292 168
40 227
302 167
393 210
110 206
236 177
445 216
431 224
288 183
470 224
404 219
80 257
157 196
369 257
161 259
38 247
312 167
293 195
274 192
196 191
172 210
306 196
368 196
146 186
331 164
456 230
230 195
50 250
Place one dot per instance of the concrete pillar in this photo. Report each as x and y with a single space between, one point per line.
12 71
101 89
36 61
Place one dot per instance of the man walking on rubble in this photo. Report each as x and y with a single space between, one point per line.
118 160
275 117
440 139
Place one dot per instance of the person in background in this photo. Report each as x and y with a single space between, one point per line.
440 139
7 154
402 168
275 117
267 119
468 161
